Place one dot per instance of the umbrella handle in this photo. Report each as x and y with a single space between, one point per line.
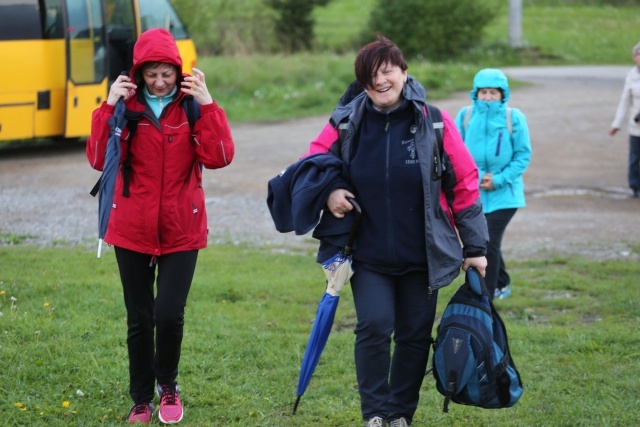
354 226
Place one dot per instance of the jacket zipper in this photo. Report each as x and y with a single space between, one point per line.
387 202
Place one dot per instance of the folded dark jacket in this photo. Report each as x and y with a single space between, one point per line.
297 196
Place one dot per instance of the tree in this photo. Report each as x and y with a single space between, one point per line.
435 29
294 23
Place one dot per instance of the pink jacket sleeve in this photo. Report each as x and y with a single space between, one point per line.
323 141
464 192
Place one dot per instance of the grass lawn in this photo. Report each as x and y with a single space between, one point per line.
572 327
573 324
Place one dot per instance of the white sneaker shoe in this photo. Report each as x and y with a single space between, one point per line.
376 422
400 422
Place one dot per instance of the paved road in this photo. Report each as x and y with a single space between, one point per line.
578 202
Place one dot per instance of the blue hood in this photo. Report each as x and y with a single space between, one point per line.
490 77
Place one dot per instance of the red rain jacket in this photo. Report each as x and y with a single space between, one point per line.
165 211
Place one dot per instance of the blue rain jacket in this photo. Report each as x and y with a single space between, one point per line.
494 150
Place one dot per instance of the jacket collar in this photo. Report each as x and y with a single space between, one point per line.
411 91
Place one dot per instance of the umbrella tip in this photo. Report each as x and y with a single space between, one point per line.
295 407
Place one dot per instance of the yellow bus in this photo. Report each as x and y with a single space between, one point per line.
60 56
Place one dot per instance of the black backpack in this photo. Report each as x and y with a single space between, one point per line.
472 363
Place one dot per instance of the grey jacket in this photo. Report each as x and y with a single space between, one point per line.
455 226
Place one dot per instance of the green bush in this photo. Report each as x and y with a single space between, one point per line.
433 29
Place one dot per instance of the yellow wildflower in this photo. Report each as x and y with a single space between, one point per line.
66 404
46 304
18 405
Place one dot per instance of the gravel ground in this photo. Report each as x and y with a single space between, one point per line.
578 200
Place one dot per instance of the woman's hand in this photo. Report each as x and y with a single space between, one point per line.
338 204
479 263
487 182
195 85
121 88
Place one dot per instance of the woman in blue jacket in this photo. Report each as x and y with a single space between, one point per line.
498 138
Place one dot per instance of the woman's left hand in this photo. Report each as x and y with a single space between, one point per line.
487 182
479 263
195 85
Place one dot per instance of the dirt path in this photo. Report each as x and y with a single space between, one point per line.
578 201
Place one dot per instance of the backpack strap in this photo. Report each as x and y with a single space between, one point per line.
438 149
132 124
96 188
467 115
192 110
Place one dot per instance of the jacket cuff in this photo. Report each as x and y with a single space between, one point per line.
209 107
107 108
473 252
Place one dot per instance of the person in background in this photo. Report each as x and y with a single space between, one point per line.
407 247
158 229
498 138
629 105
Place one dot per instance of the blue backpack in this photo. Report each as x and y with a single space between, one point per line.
472 364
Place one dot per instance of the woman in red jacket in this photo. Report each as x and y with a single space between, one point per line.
161 223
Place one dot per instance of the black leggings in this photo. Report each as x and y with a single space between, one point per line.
165 314
497 276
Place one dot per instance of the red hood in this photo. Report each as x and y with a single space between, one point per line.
155 45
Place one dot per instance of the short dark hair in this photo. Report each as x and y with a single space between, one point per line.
373 55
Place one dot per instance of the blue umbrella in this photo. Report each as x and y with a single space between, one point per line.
338 270
107 181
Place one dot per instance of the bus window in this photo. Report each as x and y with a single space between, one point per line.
20 20
121 36
53 27
86 42
160 14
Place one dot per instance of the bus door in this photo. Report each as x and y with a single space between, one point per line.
86 64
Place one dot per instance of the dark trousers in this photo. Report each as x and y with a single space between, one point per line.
402 306
148 360
633 174
496 274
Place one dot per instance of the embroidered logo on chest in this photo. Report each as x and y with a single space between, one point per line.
410 147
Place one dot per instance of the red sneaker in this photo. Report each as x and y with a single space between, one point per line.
141 413
170 411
